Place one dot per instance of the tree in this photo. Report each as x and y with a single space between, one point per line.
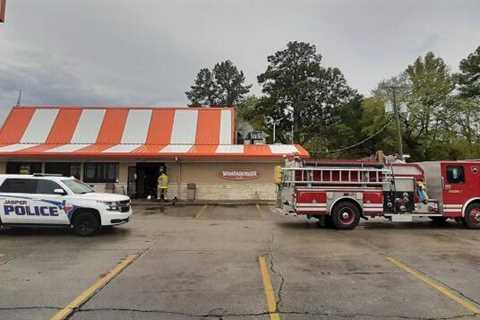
204 91
426 87
223 86
301 96
469 76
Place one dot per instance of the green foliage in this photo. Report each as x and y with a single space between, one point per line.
331 120
302 96
469 76
223 86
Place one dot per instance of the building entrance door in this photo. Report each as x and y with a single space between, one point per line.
147 176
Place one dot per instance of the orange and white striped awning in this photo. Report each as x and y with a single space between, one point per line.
128 132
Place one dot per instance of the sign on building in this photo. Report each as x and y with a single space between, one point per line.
239 174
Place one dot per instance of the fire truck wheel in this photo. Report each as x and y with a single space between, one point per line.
345 215
472 216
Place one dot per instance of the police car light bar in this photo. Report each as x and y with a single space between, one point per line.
47 175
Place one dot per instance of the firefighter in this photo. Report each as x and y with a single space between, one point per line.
162 186
422 192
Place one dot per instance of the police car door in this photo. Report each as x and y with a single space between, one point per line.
21 202
15 198
48 205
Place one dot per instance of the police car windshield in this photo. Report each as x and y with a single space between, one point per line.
77 186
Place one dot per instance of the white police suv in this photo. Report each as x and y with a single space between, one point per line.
36 200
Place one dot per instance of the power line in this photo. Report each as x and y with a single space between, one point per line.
364 140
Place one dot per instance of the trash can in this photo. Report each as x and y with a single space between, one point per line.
191 191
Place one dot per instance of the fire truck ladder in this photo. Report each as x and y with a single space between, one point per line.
366 176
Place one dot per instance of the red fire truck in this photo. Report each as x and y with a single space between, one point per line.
342 192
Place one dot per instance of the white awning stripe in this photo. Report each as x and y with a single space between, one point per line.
88 126
282 148
39 126
184 127
226 127
68 148
136 127
176 148
230 149
122 148
17 147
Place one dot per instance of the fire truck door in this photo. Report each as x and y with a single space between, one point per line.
454 187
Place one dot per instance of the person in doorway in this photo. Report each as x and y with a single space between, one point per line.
162 186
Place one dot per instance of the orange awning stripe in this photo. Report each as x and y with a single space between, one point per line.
15 125
161 125
208 126
64 126
112 126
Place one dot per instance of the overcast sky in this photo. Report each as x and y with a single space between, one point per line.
147 52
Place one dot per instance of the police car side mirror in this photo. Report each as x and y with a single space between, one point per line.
60 192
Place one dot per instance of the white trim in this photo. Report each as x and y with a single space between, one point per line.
311 209
122 148
230 148
453 205
311 205
68 147
176 148
17 147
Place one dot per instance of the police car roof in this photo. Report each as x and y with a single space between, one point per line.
49 176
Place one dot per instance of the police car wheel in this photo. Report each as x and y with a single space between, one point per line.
85 224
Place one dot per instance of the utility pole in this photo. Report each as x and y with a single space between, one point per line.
396 112
274 125
293 125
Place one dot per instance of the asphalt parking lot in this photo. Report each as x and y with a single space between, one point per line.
241 262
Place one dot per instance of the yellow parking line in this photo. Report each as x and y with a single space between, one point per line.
437 286
99 284
201 211
269 293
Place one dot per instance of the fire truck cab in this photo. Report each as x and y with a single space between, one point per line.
342 192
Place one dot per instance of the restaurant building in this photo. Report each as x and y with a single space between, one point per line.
122 150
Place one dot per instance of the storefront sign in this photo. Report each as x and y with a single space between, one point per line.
235 174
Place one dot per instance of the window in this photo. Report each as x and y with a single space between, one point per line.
47 187
100 172
77 186
66 169
19 186
455 174
24 167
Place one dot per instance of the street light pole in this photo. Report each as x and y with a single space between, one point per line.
397 120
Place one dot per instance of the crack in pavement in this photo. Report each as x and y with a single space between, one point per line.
29 308
261 314
192 315
278 273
